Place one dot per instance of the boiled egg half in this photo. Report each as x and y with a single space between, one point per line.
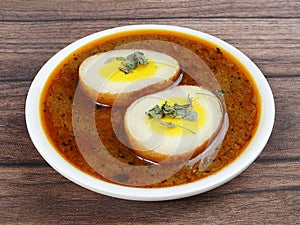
168 139
102 76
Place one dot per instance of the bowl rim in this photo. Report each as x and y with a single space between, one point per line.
55 160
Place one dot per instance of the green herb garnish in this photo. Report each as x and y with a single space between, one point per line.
175 111
219 92
155 112
132 61
173 125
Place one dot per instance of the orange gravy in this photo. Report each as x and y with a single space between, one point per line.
112 160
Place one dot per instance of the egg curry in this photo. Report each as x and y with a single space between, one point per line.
141 108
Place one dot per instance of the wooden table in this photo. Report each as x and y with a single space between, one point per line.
268 31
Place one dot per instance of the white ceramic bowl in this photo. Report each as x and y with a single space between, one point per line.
148 194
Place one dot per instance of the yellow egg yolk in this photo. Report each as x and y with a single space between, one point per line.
183 127
112 72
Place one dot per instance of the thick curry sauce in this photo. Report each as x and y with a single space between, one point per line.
83 132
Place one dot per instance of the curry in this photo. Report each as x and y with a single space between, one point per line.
84 134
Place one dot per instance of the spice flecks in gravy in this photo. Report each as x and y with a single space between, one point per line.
113 158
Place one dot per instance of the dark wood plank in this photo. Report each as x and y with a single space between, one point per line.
39 192
14 139
286 131
34 10
272 44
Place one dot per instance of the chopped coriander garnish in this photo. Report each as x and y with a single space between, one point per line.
132 61
173 125
155 112
219 92
175 111
168 124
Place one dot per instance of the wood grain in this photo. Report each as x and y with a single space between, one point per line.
55 10
31 192
273 45
55 199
